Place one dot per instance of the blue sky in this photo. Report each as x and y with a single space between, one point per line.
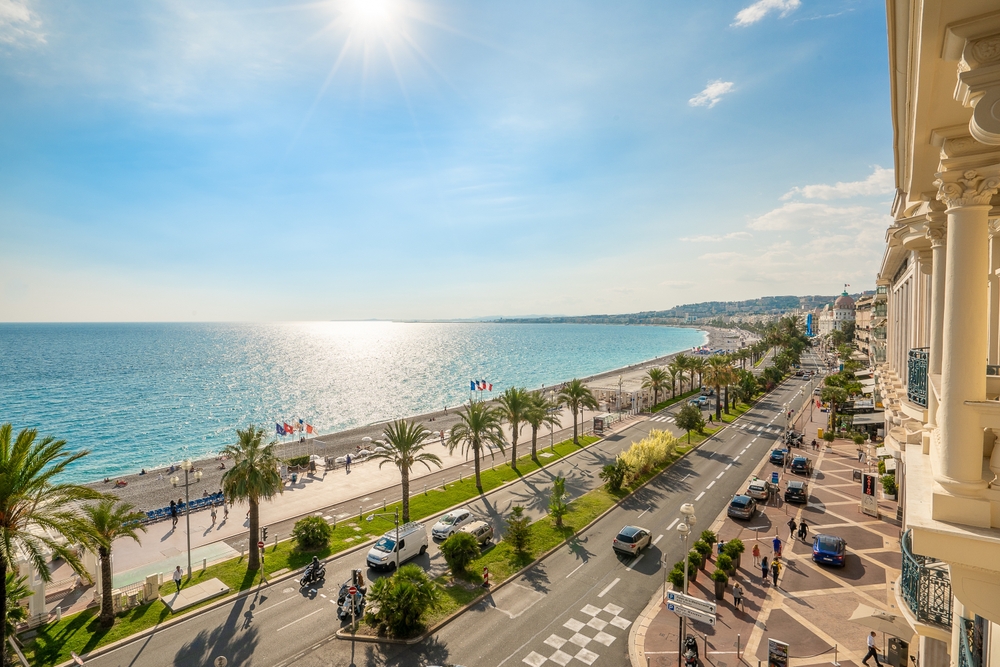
258 160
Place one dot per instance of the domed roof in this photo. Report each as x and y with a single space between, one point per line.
844 302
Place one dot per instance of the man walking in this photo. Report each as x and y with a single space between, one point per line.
178 576
173 514
775 570
347 463
872 653
776 545
792 526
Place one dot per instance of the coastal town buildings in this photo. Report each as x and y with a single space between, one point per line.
863 325
940 374
835 316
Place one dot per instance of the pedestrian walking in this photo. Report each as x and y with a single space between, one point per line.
347 463
792 527
737 596
173 514
719 547
225 510
775 569
214 515
872 653
177 578
764 569
756 555
776 545
803 530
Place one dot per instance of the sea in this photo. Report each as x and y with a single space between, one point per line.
147 395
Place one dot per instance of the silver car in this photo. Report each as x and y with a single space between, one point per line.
759 489
631 540
449 524
481 530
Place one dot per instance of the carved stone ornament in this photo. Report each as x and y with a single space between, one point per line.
971 189
936 233
986 50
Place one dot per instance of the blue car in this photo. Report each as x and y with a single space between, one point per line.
778 456
830 549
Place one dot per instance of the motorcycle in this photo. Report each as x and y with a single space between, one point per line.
690 652
348 604
312 575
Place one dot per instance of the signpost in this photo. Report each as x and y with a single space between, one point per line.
260 545
693 614
869 503
691 607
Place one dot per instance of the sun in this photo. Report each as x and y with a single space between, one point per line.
370 15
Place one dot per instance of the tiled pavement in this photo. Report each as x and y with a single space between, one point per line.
811 605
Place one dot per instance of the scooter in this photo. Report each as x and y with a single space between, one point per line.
690 652
352 606
313 575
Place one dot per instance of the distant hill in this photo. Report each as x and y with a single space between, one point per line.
767 305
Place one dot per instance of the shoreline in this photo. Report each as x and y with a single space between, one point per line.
153 490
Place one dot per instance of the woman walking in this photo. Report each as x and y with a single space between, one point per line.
756 555
737 596
763 570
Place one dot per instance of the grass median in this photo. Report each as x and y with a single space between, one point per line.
82 632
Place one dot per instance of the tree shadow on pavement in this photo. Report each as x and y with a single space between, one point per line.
429 652
208 645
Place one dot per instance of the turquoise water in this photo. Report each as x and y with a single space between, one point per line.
145 395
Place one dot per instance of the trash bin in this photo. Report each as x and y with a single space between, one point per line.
899 652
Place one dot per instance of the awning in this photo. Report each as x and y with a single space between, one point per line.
869 418
868 383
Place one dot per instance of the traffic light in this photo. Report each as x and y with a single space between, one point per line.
263 534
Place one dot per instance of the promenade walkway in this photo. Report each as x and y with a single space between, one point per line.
810 607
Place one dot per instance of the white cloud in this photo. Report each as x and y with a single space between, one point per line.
802 215
714 238
18 23
761 8
880 182
712 94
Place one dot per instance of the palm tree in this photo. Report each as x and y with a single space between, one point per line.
514 402
540 411
655 379
478 426
683 364
698 365
674 371
575 395
17 590
108 520
36 509
405 443
715 374
253 477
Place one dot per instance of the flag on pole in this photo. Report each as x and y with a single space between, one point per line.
309 428
472 385
289 429
279 430
489 386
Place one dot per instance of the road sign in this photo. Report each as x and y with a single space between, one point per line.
353 590
260 545
774 477
691 602
693 614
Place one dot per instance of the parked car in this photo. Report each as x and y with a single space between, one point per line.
799 373
817 391
412 543
481 530
742 507
778 456
801 465
829 549
759 489
451 522
631 540
797 491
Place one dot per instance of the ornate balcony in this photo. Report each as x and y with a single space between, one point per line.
926 587
970 642
916 374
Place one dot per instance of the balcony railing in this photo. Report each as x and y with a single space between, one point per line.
879 310
926 587
970 642
878 333
916 374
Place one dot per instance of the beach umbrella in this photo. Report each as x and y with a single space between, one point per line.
366 439
882 621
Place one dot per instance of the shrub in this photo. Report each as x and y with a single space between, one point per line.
518 530
298 461
459 550
614 474
703 547
720 575
734 548
828 436
709 537
676 576
644 456
859 439
401 600
557 501
312 533
724 562
696 559
889 484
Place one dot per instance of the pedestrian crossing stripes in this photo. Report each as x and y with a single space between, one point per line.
575 646
757 428
662 418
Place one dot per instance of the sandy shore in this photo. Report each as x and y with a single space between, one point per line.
152 490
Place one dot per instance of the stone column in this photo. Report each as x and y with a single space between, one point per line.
994 313
958 457
936 234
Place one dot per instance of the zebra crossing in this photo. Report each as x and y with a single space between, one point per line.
742 425
583 634
663 419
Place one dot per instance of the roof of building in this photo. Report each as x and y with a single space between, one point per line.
844 302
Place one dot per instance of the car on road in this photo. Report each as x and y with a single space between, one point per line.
778 456
386 554
759 489
449 524
817 391
742 507
830 549
801 465
631 540
797 491
799 373
481 530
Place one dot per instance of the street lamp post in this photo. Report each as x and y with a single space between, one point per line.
175 480
395 517
684 529
619 396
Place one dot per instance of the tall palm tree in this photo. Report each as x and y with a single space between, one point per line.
698 365
514 402
108 520
715 375
405 443
17 590
674 371
540 411
655 379
35 508
576 396
683 364
254 476
479 425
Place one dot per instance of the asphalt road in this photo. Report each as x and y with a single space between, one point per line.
583 583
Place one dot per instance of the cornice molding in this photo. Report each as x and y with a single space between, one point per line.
970 188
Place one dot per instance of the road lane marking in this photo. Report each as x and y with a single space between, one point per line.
728 467
643 512
736 458
608 587
710 485
300 619
271 606
575 569
672 524
633 564
719 476
699 496
661 536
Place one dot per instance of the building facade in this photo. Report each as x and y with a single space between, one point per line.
836 316
941 333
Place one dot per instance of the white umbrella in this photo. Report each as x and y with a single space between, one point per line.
366 439
882 621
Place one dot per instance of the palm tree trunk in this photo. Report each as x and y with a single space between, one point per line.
3 609
718 403
513 446
475 452
576 441
253 562
534 443
107 602
727 400
404 479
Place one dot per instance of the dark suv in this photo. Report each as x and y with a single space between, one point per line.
742 507
801 465
797 491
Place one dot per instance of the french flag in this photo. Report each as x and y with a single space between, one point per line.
473 385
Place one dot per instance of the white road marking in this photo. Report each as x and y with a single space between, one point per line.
719 476
633 564
300 619
643 512
575 569
699 496
672 524
728 467
608 587
271 606
710 485
661 536
737 457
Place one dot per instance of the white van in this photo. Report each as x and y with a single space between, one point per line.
412 543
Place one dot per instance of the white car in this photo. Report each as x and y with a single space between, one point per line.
449 524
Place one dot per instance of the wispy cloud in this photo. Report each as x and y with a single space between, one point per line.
712 94
819 217
714 238
761 8
880 182
18 24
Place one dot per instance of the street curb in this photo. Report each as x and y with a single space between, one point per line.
291 575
